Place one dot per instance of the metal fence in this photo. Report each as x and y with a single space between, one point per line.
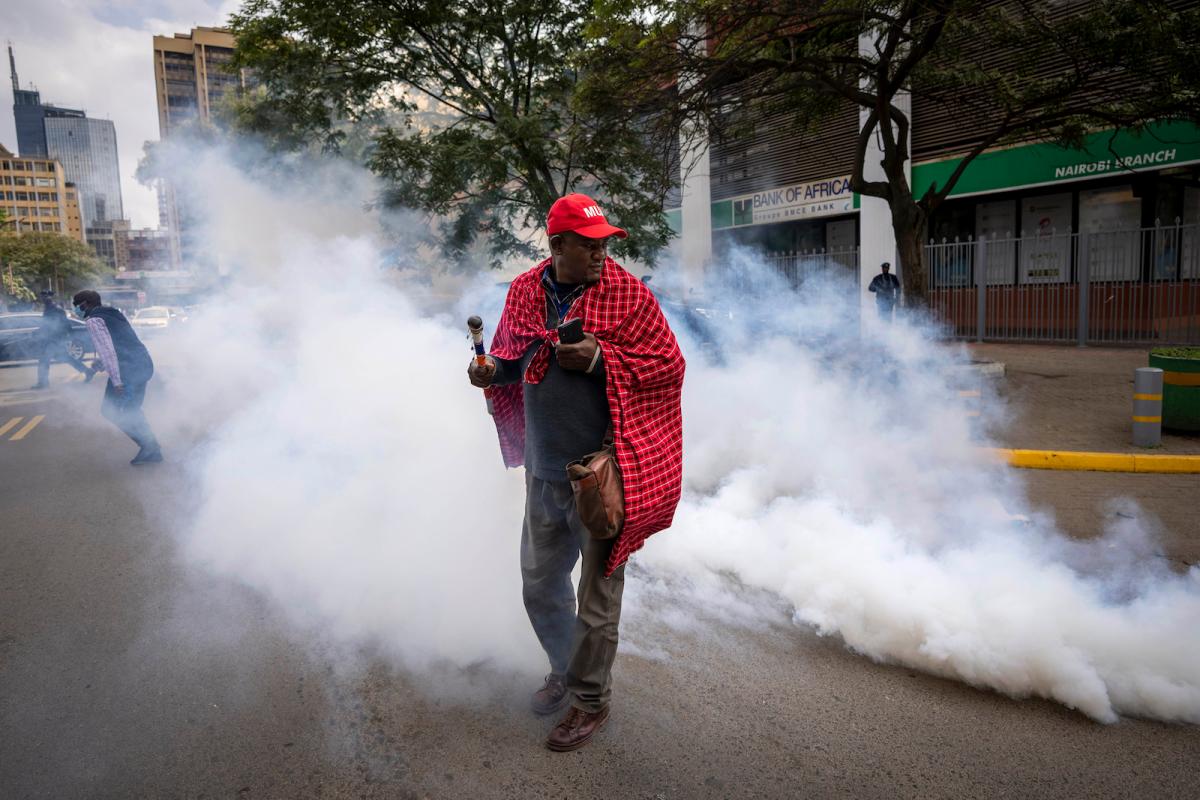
1103 287
799 266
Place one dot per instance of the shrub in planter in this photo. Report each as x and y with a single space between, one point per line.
1181 386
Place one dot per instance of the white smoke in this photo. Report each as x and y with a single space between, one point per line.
346 469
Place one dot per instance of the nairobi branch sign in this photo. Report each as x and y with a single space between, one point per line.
1161 144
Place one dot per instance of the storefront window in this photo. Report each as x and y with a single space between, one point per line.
1189 262
996 223
1111 217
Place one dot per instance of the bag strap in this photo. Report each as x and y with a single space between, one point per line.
609 440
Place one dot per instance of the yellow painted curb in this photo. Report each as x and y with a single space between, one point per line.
1099 462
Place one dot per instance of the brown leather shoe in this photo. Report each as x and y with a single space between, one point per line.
551 697
576 729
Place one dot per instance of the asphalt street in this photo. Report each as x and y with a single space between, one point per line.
126 673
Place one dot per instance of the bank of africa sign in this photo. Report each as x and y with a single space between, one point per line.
798 201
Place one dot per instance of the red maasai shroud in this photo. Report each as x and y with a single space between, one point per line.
644 370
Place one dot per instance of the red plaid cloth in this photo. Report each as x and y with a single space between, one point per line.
644 370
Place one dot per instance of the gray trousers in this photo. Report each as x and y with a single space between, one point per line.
581 645
125 411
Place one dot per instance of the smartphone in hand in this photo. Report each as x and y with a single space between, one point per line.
571 332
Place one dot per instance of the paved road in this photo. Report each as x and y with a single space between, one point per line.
125 673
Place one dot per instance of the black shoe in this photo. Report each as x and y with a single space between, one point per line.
40 386
148 457
552 696
91 373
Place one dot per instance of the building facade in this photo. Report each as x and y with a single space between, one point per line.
142 249
191 78
36 196
87 149
30 114
1110 227
102 237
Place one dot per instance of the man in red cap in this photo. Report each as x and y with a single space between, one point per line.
554 403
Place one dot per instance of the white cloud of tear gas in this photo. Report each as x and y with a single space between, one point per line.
843 475
348 471
344 471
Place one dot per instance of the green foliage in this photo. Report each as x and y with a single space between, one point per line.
468 105
1177 352
36 260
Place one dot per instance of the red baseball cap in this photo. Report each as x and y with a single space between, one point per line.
580 214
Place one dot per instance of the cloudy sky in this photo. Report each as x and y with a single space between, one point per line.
98 56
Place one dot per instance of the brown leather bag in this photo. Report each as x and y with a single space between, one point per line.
599 493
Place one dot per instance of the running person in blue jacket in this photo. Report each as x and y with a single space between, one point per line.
129 369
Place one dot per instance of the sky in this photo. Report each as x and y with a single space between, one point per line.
98 56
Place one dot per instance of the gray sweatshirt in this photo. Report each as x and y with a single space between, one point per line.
566 415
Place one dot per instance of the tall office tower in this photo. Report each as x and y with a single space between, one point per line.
190 76
30 113
87 149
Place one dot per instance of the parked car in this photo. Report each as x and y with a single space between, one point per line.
19 337
155 319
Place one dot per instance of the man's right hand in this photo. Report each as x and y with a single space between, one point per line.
482 375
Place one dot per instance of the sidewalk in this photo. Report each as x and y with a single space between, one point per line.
1070 398
1073 398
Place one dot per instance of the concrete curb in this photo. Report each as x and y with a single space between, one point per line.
1099 462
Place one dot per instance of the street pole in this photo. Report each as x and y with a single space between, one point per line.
1084 284
1147 406
980 288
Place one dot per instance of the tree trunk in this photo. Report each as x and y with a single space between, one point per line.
911 224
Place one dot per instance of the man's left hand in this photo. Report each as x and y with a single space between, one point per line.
577 356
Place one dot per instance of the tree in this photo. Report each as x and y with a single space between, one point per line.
35 261
1118 64
470 107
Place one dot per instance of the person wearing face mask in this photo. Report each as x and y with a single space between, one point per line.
129 369
555 402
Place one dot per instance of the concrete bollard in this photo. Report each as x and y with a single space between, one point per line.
1147 406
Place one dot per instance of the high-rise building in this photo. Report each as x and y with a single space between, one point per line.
30 113
87 149
191 76
36 196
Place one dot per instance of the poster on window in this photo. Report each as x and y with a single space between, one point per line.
1046 238
996 222
1110 218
